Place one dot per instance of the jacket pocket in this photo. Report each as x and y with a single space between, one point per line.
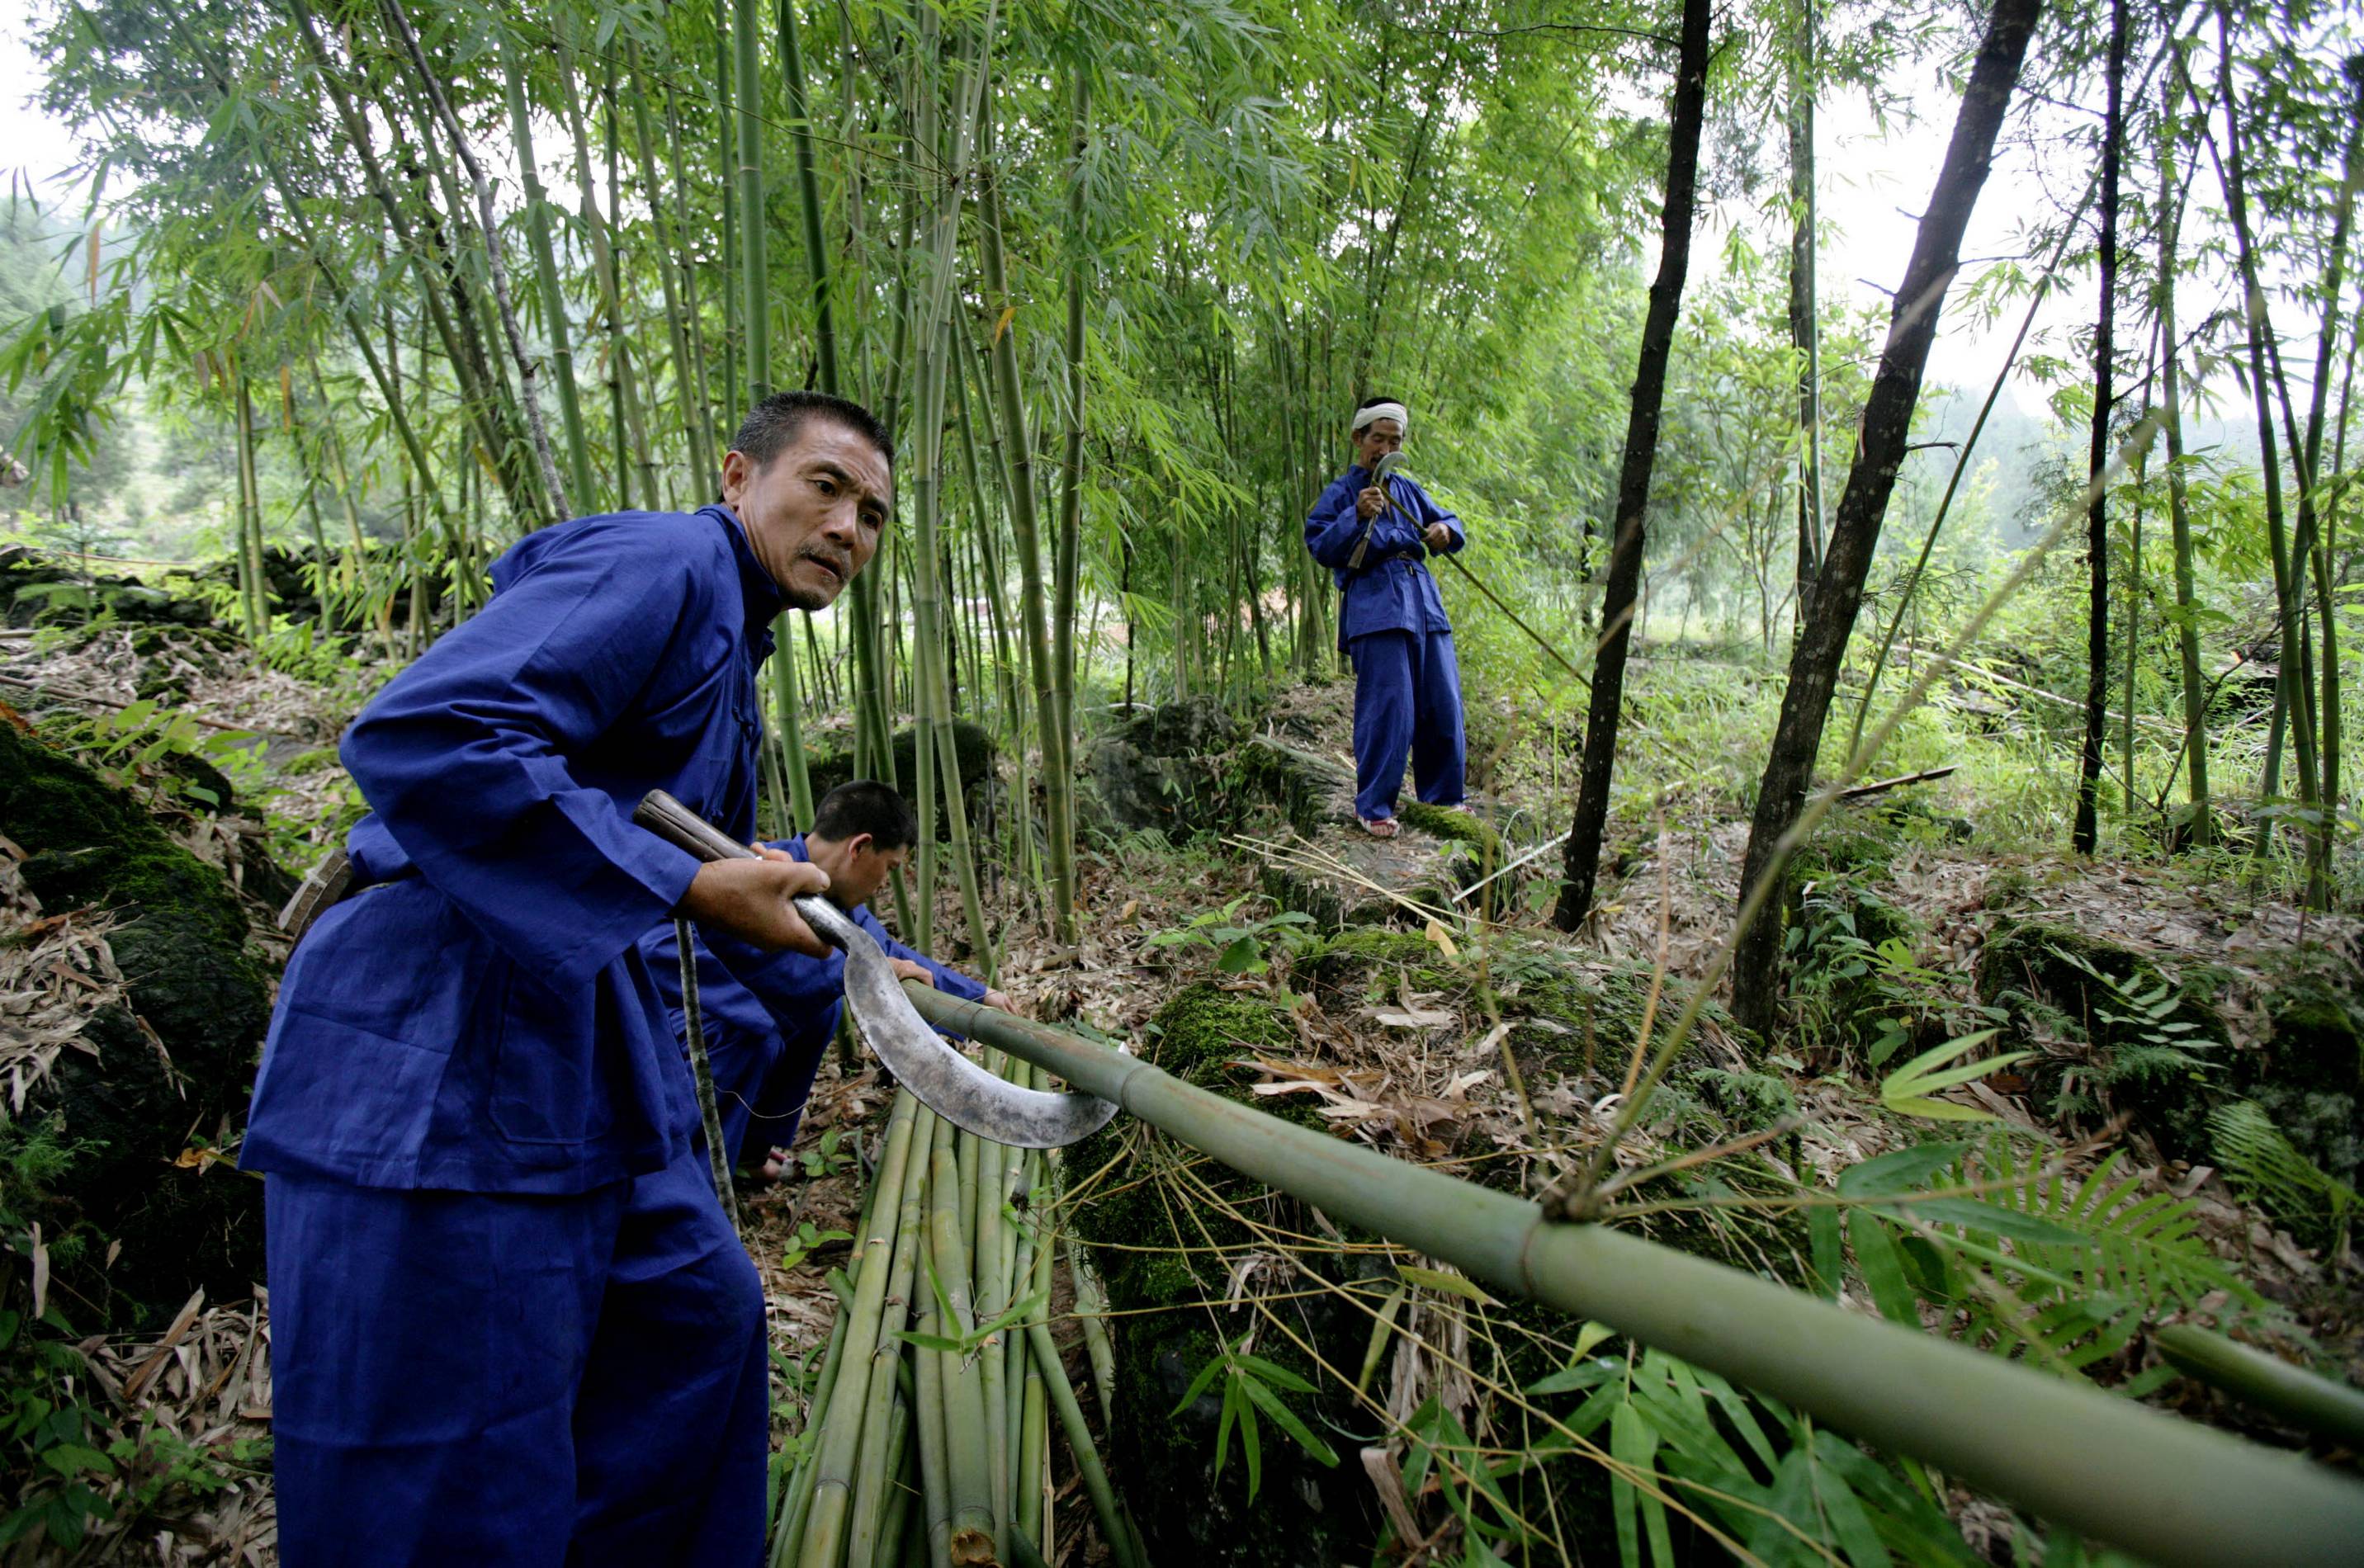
547 1084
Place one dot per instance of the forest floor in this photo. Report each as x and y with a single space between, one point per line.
1913 935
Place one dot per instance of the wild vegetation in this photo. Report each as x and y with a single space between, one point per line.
1909 857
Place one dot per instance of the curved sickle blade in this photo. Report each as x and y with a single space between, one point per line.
922 1060
928 1064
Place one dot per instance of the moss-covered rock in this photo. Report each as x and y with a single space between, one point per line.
130 1111
2158 1044
1453 826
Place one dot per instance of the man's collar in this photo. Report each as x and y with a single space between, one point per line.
761 596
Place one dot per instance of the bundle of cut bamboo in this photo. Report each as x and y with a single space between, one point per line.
928 1430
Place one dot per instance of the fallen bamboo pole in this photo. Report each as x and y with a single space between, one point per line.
2166 1489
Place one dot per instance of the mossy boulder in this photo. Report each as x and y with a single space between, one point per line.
1169 769
1453 826
1164 1240
973 743
2157 1043
130 1111
2309 1075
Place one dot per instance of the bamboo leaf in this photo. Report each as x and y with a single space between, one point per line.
1899 1171
1288 1421
1451 1285
1884 1268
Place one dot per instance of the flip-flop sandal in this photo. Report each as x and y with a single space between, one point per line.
1379 826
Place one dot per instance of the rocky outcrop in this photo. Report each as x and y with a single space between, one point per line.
128 1116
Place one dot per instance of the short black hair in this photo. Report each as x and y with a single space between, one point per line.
778 420
865 805
1376 398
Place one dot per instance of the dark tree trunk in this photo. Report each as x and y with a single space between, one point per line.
1805 334
1855 530
1634 481
2085 834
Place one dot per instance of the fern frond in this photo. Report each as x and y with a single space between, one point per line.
2267 1169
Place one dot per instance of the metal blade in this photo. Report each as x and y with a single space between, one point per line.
928 1064
922 1060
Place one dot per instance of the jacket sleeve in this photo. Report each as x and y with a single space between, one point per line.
1331 527
1425 508
464 756
947 979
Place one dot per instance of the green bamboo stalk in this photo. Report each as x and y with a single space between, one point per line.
698 395
726 175
1091 1304
794 1509
668 250
2163 1488
992 1296
841 1428
895 1531
755 276
1036 1418
935 1463
972 1522
554 322
874 1469
2315 1404
792 74
1058 771
1061 1394
254 587
1071 476
789 706
2178 510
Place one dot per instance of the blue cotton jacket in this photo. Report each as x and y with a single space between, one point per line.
484 1020
1384 595
769 1015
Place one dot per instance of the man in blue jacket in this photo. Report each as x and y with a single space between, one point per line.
1391 622
509 1323
769 1017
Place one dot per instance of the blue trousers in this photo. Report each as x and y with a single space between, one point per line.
1407 701
505 1379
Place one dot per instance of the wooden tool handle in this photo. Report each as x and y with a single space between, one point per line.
677 825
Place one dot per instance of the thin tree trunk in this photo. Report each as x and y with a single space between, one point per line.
2178 510
1071 476
1855 530
2085 833
1581 866
2294 699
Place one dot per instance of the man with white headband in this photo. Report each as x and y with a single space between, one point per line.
1391 622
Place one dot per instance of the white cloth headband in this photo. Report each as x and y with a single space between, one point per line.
1364 418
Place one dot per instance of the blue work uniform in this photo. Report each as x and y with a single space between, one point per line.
769 1017
510 1324
1392 623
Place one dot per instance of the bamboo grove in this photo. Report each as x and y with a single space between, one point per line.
452 273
